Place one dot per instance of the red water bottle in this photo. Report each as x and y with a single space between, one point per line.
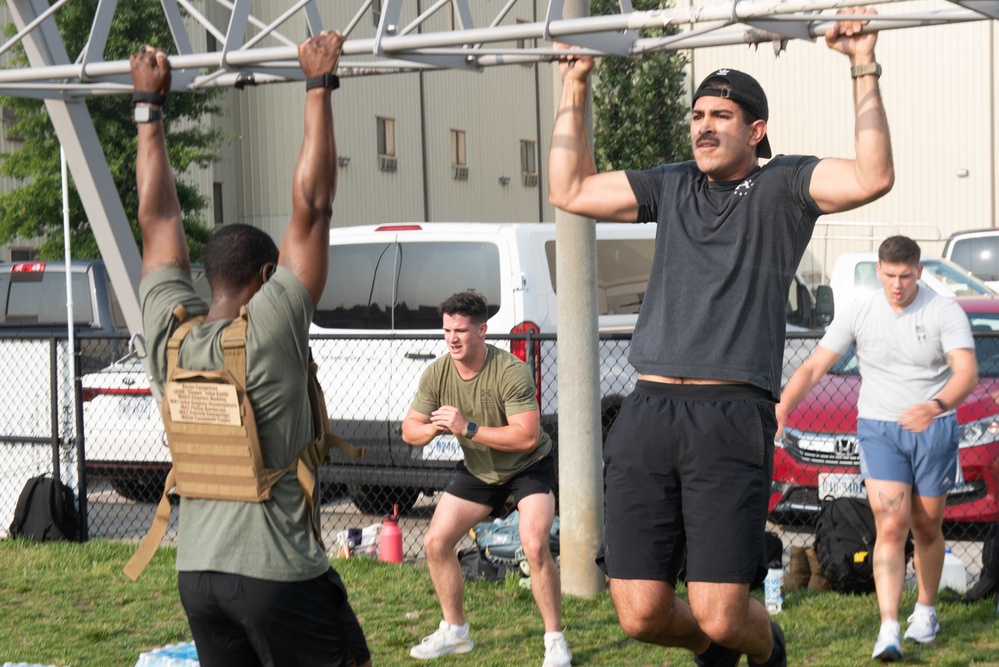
390 548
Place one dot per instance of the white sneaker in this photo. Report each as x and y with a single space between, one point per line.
557 653
923 627
888 647
444 641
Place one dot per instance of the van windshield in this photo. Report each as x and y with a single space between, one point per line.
39 297
390 285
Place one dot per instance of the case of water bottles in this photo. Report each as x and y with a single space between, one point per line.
773 590
171 655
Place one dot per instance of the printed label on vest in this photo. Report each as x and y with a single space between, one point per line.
203 403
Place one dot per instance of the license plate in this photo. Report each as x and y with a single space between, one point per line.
443 448
133 406
840 485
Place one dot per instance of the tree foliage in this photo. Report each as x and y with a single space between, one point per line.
640 113
34 208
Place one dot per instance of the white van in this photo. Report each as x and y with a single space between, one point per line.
388 280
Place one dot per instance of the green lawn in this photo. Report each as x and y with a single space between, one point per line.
70 605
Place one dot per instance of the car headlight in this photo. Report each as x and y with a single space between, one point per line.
979 432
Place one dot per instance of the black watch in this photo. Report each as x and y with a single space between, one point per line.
328 81
471 429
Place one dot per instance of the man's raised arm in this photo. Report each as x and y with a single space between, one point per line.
840 184
163 241
305 245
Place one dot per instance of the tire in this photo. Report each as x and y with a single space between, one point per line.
379 500
145 487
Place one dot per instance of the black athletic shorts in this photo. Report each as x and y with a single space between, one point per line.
687 472
240 621
537 478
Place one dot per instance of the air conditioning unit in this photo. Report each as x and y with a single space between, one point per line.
459 173
529 178
388 162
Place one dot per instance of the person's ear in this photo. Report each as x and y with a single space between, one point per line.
266 271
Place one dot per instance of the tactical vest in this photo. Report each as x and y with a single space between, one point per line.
212 434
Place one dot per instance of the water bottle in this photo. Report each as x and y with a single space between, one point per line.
954 576
773 590
390 548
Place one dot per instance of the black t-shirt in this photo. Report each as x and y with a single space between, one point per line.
725 257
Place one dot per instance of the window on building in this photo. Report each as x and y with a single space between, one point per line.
459 163
23 254
217 204
9 118
528 163
376 12
211 44
387 160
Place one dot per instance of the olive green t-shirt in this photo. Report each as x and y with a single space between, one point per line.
503 387
273 539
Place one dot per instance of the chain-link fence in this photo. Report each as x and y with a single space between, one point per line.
369 383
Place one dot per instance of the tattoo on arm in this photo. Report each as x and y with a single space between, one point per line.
891 503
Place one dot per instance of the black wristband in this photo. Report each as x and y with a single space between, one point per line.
327 81
147 97
940 404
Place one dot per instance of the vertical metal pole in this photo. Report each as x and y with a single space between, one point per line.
579 434
54 404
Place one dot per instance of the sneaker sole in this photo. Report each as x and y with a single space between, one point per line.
889 655
920 641
464 648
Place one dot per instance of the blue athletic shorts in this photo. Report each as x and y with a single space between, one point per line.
927 461
687 473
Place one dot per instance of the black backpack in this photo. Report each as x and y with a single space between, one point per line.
46 511
987 587
844 542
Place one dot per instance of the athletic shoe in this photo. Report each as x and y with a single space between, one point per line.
444 641
923 627
888 647
724 657
557 653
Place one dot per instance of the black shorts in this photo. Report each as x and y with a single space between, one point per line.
537 478
240 621
687 471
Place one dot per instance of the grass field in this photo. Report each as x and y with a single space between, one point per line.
70 605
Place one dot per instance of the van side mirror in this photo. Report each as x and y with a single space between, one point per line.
824 305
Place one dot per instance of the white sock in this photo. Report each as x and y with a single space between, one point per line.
551 636
891 625
927 608
459 629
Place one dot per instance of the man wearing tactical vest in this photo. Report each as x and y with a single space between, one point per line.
255 582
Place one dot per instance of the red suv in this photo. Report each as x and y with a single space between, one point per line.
818 457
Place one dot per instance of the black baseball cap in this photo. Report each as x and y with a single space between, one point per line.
744 90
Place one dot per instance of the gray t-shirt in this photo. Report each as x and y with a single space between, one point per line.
725 257
270 540
902 355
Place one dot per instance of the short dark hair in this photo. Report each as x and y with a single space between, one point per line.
470 304
899 250
236 253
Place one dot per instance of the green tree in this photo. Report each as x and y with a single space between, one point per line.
640 109
34 208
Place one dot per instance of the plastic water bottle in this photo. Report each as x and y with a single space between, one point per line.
390 549
773 590
954 575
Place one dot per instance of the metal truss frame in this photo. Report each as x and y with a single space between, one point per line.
242 60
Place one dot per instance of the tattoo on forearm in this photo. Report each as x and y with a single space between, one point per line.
891 503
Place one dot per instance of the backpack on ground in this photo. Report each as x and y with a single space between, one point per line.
212 434
844 542
46 511
499 540
987 586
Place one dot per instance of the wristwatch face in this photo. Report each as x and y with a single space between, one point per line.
471 429
147 114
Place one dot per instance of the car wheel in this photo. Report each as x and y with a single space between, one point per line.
146 487
377 499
